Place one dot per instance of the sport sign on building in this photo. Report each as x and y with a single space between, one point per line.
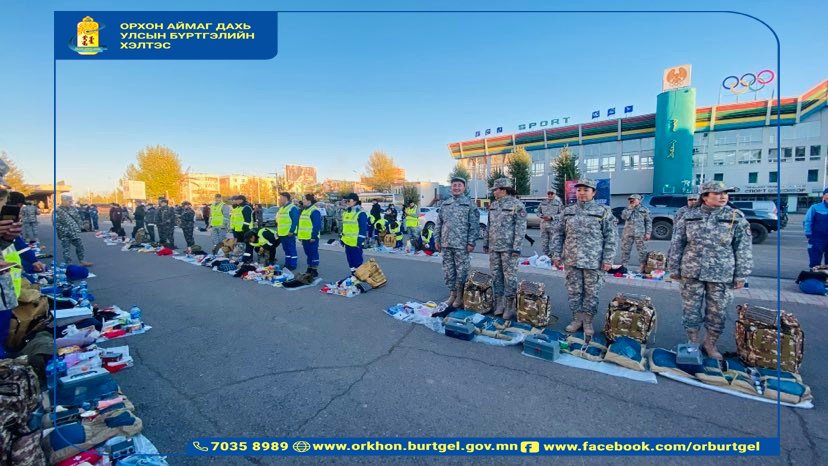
135 190
676 77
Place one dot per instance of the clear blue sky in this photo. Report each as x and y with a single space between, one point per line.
344 85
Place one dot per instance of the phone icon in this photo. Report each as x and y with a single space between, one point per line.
198 446
529 447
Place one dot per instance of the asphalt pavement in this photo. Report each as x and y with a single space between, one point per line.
230 358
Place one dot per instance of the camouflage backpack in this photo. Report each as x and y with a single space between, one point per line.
533 304
656 260
756 332
141 236
19 397
478 295
630 315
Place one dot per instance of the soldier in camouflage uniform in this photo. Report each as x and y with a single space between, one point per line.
507 226
187 221
692 200
549 211
166 223
711 253
455 233
637 229
586 239
29 219
68 225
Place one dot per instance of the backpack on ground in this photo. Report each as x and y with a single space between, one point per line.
370 273
533 304
630 315
756 333
656 260
19 398
478 294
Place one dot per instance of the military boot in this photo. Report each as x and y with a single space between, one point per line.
577 322
509 313
451 299
500 305
588 330
693 336
458 300
312 272
709 345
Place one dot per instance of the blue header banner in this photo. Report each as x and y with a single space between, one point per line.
603 191
165 35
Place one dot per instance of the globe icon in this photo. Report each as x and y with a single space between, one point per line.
301 446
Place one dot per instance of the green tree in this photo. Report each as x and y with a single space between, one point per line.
461 171
519 165
410 194
14 177
160 169
566 169
381 173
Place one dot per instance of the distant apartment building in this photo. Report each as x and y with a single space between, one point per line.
300 174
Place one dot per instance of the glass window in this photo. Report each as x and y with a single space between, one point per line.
608 164
660 201
725 138
718 177
724 157
773 177
745 157
787 154
537 168
753 177
813 176
816 151
631 145
592 150
609 148
750 136
773 155
629 162
808 130
591 165
799 154
647 143
700 139
788 133
699 179
646 160
699 159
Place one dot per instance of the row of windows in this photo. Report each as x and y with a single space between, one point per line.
807 130
753 177
751 156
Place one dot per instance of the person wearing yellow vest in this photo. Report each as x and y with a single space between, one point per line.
218 220
380 228
287 222
395 227
310 224
266 239
241 217
426 241
354 230
412 222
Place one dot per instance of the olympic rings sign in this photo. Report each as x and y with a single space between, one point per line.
748 82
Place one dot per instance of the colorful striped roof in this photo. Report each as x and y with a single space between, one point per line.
715 118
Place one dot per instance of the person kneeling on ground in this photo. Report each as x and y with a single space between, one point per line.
263 239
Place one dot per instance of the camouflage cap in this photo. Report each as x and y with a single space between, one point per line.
715 187
458 178
693 196
634 196
502 183
586 182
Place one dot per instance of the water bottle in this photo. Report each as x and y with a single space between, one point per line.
135 312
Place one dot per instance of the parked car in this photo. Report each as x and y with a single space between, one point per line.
269 215
532 218
663 209
767 206
428 216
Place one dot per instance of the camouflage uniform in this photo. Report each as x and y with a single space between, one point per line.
710 250
458 225
586 239
68 225
29 219
166 225
507 226
187 220
681 213
551 209
637 225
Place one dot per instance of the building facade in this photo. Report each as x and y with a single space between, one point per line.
735 143
300 174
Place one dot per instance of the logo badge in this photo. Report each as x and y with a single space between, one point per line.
87 38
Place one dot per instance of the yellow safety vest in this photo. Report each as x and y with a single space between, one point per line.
426 237
283 221
10 254
305 223
381 224
398 232
261 240
350 227
217 215
237 222
411 219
